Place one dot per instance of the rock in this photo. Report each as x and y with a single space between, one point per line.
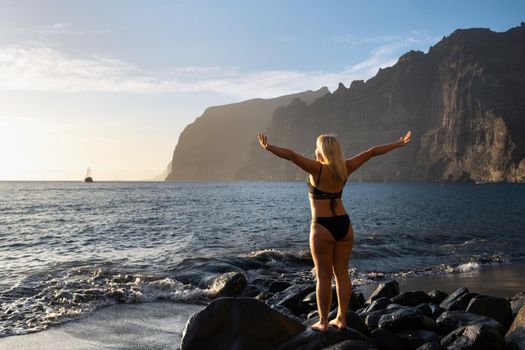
417 337
456 294
357 301
352 320
372 319
352 345
425 309
291 298
250 291
378 304
516 302
411 298
477 336
496 308
278 286
386 340
437 296
312 340
388 289
515 337
436 310
405 318
450 320
228 284
236 323
435 345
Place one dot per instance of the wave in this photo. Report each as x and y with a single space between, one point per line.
68 292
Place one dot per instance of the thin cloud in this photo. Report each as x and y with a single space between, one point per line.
40 68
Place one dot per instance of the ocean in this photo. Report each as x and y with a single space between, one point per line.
70 248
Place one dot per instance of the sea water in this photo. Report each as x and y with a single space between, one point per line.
69 248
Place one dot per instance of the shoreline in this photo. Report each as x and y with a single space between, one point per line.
158 325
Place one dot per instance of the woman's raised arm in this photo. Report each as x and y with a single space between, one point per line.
352 164
309 165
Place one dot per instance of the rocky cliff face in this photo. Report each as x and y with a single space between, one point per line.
464 101
217 144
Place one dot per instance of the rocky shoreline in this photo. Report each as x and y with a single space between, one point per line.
243 317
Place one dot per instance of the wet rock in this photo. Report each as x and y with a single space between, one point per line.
388 289
478 336
417 337
372 319
386 340
496 308
352 345
278 286
458 303
516 302
425 309
445 304
411 298
291 298
357 301
435 345
406 318
313 340
515 337
436 310
250 291
437 296
378 304
228 284
450 320
238 323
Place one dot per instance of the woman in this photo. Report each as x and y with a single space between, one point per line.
331 233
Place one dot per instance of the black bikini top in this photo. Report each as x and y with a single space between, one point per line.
316 193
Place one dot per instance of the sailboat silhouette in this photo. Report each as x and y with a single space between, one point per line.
88 177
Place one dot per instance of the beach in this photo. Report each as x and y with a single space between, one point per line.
159 325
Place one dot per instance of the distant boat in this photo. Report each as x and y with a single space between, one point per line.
385 180
88 177
481 182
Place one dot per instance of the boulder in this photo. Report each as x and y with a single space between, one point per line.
437 296
516 302
417 337
352 320
373 318
496 308
313 340
411 298
377 304
388 289
435 345
475 337
425 309
405 318
238 323
226 285
352 345
436 310
445 304
250 291
291 298
450 320
386 340
515 337
278 286
357 301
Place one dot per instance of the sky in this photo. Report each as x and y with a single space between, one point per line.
112 84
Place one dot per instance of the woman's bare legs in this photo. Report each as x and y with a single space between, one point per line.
322 248
342 252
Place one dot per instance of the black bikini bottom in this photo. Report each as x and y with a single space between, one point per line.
337 225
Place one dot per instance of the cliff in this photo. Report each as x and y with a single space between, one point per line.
464 101
216 145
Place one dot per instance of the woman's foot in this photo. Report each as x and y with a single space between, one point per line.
321 327
338 323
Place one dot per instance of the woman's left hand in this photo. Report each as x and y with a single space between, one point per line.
263 140
405 139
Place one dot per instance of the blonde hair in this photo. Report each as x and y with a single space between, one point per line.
332 153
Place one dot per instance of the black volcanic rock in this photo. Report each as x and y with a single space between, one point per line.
216 145
463 100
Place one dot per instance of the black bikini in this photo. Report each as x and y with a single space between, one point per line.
337 224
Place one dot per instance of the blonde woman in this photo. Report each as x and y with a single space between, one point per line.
331 233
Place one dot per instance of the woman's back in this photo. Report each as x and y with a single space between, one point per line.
325 196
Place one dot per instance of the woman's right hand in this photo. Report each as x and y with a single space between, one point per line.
263 140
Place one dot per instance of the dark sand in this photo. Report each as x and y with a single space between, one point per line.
159 325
